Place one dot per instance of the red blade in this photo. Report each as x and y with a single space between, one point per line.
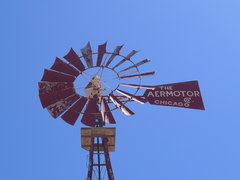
106 112
126 58
101 51
89 115
51 98
71 115
136 65
184 94
138 75
53 76
74 59
49 87
131 96
138 86
115 53
120 105
61 66
59 107
87 54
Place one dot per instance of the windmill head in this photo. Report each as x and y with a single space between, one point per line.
59 93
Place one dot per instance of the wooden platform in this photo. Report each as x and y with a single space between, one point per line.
88 133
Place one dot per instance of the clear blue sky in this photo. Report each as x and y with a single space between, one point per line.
186 40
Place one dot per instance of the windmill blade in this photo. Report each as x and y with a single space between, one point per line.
45 87
138 75
115 53
89 115
131 96
126 58
53 97
101 52
120 105
71 115
106 112
135 65
61 66
53 76
59 107
184 94
74 59
138 86
87 54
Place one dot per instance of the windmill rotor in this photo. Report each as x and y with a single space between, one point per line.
59 94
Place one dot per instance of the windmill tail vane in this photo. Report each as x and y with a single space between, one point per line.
106 89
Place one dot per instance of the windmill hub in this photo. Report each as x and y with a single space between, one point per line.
103 78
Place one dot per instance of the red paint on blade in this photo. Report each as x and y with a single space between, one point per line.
53 97
59 107
53 76
74 59
72 114
45 87
106 112
61 66
89 115
101 51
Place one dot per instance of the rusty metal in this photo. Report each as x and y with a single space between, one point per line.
71 115
63 67
54 76
89 115
135 65
131 96
60 106
74 59
106 112
138 86
114 54
101 52
87 54
126 58
138 75
120 105
49 87
53 97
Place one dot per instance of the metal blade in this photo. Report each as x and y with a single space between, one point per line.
53 97
89 116
136 65
87 54
49 87
61 66
53 76
101 51
115 53
126 58
106 112
74 59
120 105
138 75
131 96
71 115
59 107
138 86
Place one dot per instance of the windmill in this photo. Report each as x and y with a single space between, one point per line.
90 86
